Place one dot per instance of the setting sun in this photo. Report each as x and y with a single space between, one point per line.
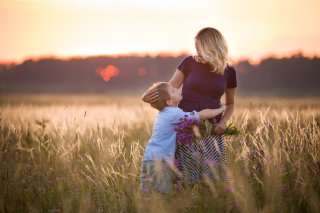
108 72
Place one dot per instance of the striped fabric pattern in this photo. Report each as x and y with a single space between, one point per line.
202 160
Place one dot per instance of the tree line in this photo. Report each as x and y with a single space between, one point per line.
292 76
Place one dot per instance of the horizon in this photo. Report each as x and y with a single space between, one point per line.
159 54
71 28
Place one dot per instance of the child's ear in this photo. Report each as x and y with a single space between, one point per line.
169 102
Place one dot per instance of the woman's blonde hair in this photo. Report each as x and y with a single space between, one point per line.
212 49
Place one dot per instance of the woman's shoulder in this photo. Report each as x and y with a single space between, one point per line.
229 69
229 66
185 63
188 58
231 75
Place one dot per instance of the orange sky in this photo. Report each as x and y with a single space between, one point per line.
253 29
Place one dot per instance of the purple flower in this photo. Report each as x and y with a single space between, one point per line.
184 130
252 152
144 189
283 189
229 189
178 188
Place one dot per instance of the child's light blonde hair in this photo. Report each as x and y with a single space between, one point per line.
212 49
163 95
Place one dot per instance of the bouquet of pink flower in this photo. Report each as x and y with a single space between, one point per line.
188 128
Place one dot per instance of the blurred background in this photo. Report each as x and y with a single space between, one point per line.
73 127
105 46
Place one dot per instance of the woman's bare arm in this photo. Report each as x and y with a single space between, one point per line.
230 96
177 79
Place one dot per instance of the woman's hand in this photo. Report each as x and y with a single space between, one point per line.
150 96
219 128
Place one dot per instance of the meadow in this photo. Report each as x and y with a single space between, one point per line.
73 153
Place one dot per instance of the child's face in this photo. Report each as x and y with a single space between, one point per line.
175 95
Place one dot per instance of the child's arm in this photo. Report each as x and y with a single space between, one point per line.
210 113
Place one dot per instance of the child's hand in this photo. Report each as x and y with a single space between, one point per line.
223 107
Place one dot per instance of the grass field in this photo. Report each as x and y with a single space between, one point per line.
66 153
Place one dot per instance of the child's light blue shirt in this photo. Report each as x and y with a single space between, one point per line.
162 144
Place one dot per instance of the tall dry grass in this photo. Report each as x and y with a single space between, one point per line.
83 153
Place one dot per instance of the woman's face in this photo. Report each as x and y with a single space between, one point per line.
197 45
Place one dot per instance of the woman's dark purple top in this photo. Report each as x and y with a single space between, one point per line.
202 89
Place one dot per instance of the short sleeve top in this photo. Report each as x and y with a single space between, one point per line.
202 88
162 144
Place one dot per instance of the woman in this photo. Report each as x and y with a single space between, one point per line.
205 78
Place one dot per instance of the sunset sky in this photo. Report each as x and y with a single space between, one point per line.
253 29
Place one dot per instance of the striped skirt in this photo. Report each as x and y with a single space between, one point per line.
202 160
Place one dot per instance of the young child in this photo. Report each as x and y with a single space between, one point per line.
159 153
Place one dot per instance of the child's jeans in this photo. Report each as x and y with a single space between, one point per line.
157 176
